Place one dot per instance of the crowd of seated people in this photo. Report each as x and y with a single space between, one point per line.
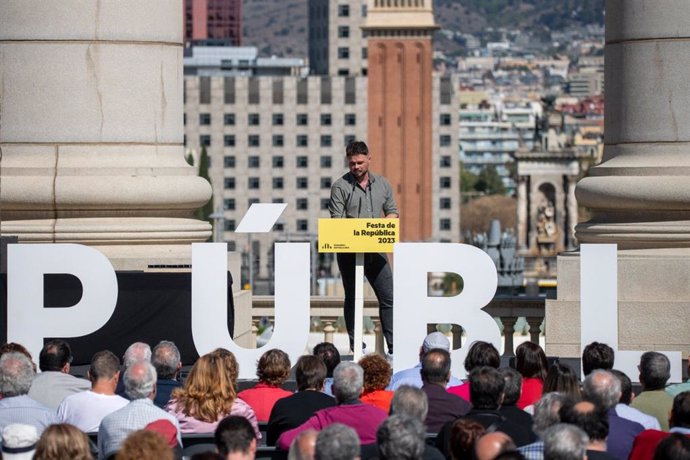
141 408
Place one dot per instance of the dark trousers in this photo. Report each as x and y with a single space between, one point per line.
378 272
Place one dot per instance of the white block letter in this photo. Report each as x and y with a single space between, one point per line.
28 322
414 309
209 303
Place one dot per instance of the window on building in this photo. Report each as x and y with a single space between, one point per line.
326 119
229 90
343 11
350 119
343 31
253 93
229 140
302 119
446 90
324 204
302 183
229 161
302 225
326 94
446 161
343 52
302 161
302 204
444 203
326 140
326 161
253 140
278 183
253 161
303 91
349 138
229 204
444 182
184 119
253 119
229 119
230 225
252 201
444 119
204 90
253 183
326 183
278 119
204 119
278 93
350 91
278 161
277 200
343 72
444 224
302 140
205 140
444 140
229 183
278 227
278 140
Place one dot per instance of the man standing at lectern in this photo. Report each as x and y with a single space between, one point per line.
362 194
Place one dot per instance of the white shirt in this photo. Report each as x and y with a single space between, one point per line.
86 410
630 413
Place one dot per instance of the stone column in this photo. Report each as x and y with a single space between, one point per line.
91 129
639 196
571 206
522 214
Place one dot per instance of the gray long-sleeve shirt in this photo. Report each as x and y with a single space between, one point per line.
348 199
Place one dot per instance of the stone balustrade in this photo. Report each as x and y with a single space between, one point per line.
328 309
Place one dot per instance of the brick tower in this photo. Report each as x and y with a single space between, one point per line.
400 106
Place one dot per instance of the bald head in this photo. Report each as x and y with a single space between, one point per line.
303 446
602 388
493 444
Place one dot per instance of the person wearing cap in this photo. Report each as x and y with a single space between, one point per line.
19 441
413 376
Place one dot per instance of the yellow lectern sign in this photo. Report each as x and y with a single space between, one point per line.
357 235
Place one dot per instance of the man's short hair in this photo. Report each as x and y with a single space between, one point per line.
310 372
565 442
400 437
234 434
410 402
482 354
602 388
546 411
337 442
329 354
680 412
626 386
140 380
348 381
54 355
435 366
166 359
513 385
356 148
655 370
592 419
104 365
16 374
597 355
138 351
486 387
301 447
273 367
676 446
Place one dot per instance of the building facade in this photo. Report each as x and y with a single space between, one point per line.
213 20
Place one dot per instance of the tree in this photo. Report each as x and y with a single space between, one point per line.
489 181
204 212
467 180
190 159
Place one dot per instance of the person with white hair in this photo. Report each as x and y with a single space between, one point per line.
348 383
16 375
413 376
138 351
140 385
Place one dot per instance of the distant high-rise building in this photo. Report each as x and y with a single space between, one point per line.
401 109
214 20
337 44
